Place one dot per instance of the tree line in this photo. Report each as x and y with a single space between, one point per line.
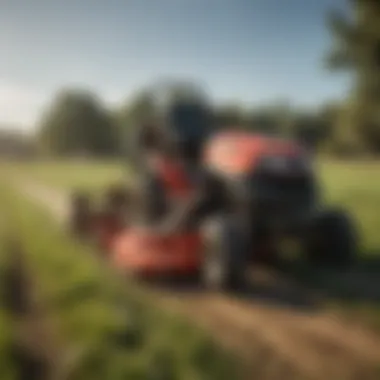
78 123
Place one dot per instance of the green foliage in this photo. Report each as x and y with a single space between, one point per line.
138 110
77 124
134 113
357 48
16 144
230 115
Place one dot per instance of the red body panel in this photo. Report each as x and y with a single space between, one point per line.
176 183
236 152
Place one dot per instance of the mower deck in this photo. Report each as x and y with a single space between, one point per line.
139 252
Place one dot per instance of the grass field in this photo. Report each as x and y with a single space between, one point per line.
81 175
7 366
125 336
111 330
355 186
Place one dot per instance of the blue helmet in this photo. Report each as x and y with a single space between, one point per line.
182 112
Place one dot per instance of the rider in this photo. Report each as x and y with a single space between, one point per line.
172 150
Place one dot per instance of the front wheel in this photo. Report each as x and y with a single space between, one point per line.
224 260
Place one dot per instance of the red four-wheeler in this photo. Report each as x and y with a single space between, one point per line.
213 202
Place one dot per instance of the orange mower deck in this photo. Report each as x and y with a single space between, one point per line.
137 251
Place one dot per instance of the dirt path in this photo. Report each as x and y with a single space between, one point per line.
278 341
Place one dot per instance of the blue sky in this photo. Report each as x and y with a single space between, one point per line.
250 50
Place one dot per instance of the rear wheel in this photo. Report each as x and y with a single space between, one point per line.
224 256
333 241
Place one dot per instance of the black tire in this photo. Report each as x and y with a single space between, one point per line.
332 242
225 251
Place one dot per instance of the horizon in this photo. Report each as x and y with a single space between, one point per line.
246 51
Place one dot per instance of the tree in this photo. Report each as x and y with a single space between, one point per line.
263 119
136 111
357 49
16 144
229 115
77 123
130 117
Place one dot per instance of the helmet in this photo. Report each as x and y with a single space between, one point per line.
182 113
185 110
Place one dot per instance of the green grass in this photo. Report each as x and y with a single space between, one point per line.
63 174
7 366
355 186
90 304
116 329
